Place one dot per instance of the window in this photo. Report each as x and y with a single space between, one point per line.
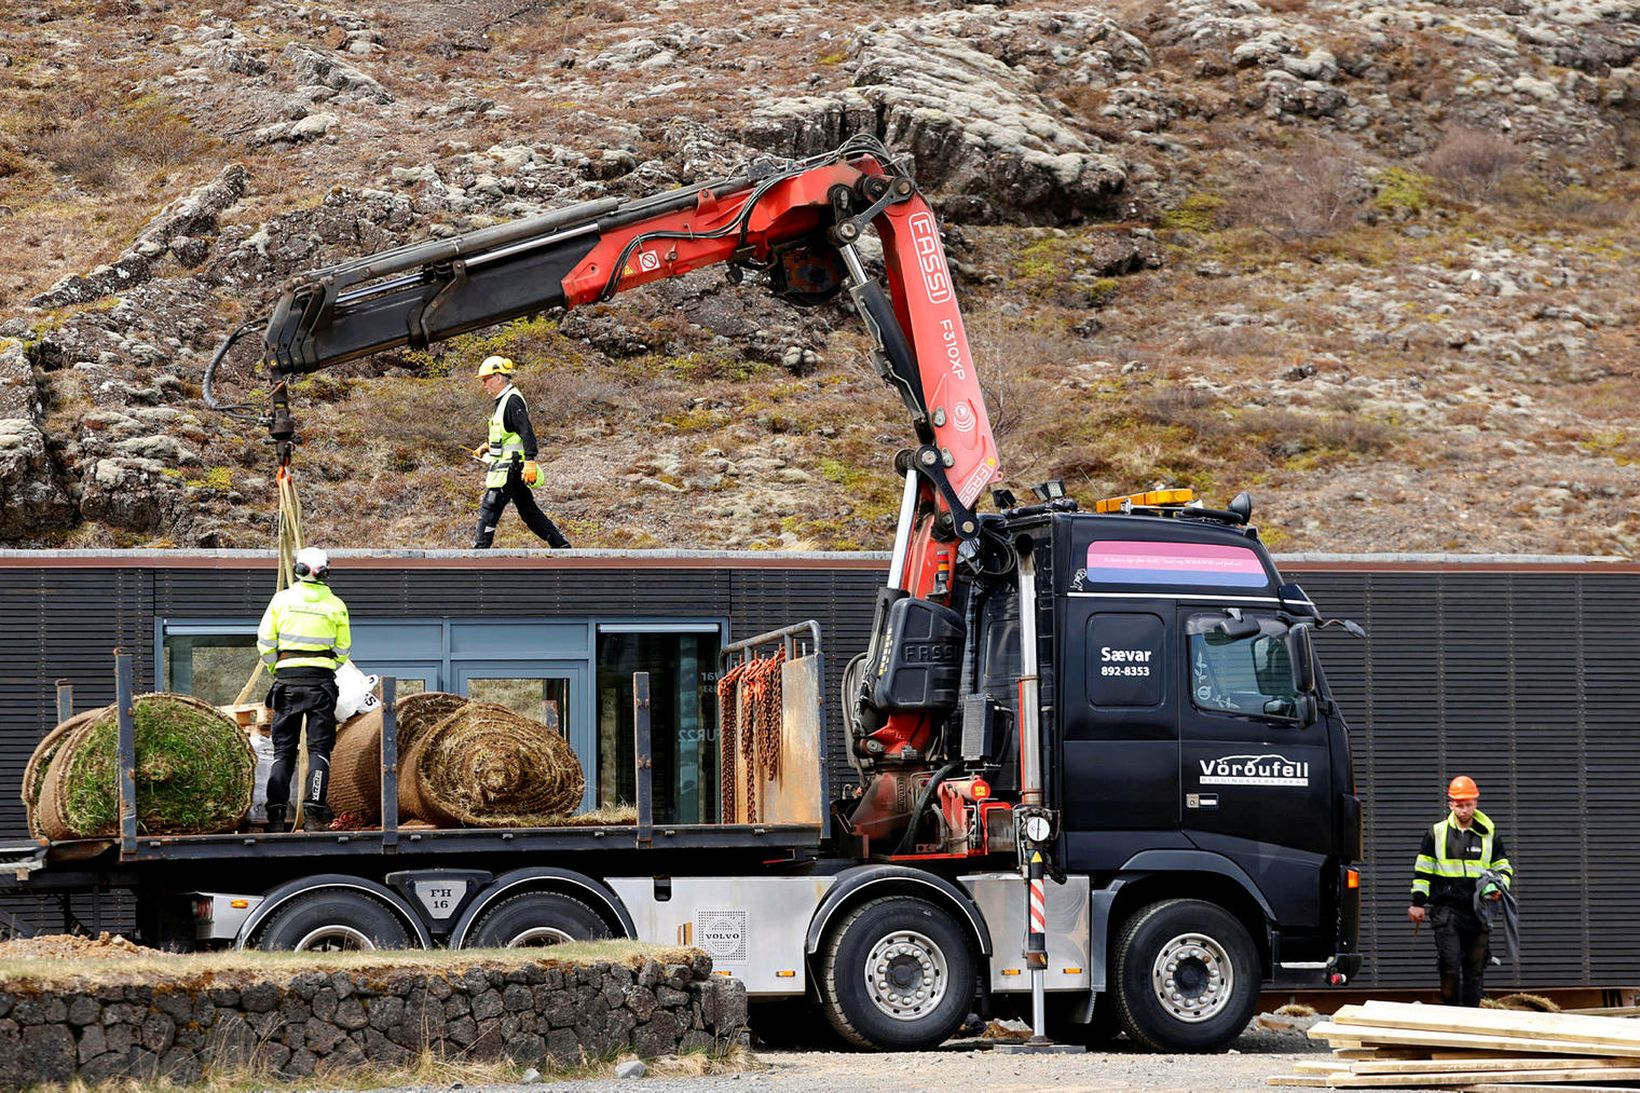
1241 666
212 667
541 699
683 673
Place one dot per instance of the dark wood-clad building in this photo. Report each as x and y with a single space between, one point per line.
1516 671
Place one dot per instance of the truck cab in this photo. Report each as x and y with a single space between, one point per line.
1196 764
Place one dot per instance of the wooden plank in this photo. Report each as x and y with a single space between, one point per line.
1384 1052
1321 1066
1312 1081
1446 1066
1521 1024
1499 1087
1544 1077
1500 1045
1606 1011
1486 1053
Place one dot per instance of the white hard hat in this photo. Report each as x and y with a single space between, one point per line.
312 564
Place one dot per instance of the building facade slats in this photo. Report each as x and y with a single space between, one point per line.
1521 676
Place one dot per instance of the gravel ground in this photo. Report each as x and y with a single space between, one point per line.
1258 1054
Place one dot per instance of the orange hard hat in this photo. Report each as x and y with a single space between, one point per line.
1462 788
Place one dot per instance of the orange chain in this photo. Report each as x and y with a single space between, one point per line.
728 737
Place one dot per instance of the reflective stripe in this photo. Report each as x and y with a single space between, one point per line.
505 446
1462 868
304 626
1420 887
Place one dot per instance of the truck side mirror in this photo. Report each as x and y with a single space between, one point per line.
1307 710
1302 653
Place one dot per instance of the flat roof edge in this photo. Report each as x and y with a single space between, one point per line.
740 559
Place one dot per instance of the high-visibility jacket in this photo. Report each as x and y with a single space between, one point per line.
512 440
1451 860
305 626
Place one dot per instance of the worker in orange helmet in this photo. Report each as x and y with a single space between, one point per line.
1461 853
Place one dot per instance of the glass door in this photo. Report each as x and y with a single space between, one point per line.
550 692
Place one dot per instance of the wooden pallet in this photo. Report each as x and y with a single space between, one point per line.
1390 1045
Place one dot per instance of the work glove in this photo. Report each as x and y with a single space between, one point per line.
532 473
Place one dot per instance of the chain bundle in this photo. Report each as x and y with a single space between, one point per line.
749 720
728 739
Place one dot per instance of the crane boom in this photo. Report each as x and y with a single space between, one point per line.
800 223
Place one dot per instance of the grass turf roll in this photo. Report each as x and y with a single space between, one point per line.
486 766
194 776
39 765
356 769
418 713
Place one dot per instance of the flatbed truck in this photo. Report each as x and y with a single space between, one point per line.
1100 777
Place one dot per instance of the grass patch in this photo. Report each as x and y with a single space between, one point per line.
227 967
194 771
1402 191
1198 212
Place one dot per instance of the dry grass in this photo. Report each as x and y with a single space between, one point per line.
1312 192
1470 163
222 968
429 1070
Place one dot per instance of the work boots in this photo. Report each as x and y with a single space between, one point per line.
278 819
316 817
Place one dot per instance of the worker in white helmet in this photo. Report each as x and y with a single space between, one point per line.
509 454
304 637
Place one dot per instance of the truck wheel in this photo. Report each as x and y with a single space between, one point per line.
333 920
533 919
898 974
1187 976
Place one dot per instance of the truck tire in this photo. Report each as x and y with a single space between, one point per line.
533 919
1187 976
334 920
898 974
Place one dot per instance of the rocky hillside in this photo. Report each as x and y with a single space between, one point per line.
1375 262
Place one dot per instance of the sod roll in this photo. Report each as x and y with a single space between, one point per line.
485 766
39 764
356 769
418 713
194 775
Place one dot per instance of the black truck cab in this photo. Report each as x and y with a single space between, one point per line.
1190 746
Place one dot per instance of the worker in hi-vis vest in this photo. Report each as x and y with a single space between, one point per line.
509 455
303 639
1456 852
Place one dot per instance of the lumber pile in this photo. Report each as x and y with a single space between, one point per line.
1396 1045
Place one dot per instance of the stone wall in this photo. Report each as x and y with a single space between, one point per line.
300 1024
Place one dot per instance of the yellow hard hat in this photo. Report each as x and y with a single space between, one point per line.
491 366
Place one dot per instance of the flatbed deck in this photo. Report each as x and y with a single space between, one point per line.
331 844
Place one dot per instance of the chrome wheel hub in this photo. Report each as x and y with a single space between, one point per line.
335 938
1193 978
906 975
537 936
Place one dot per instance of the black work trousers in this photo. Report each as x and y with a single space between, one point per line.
309 699
516 493
1462 949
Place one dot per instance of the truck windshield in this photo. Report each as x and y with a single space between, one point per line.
1241 673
